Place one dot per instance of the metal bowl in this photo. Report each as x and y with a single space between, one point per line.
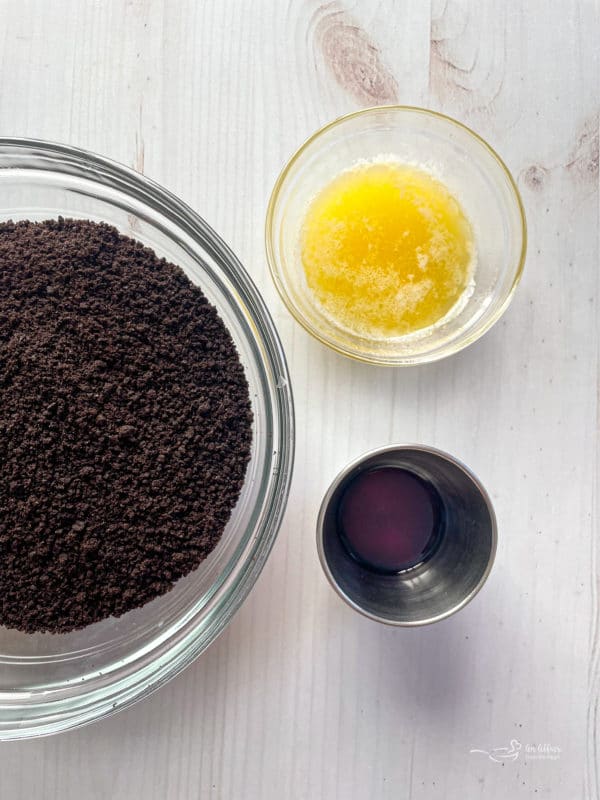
438 586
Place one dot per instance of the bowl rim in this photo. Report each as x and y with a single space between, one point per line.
272 260
343 474
187 644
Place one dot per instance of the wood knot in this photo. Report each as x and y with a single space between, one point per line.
535 177
355 60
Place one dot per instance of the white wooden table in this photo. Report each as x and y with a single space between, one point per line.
301 697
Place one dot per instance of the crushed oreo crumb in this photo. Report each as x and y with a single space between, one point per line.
125 424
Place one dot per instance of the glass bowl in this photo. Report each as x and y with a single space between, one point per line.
50 682
458 157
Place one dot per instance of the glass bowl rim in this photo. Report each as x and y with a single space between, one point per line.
188 643
273 262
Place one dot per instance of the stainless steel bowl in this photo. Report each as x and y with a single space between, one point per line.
438 586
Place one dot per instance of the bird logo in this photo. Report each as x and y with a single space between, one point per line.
502 754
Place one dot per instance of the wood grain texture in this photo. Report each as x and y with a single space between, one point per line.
302 698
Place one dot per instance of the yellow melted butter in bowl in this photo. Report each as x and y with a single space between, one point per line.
387 249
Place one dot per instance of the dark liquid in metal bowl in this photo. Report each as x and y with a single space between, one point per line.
390 519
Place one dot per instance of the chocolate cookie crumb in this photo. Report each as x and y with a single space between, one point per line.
125 425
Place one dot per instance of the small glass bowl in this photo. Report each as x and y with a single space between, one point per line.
50 682
458 157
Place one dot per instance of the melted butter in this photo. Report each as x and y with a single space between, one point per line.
387 249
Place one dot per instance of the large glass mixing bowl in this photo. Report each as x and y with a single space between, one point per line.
50 682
